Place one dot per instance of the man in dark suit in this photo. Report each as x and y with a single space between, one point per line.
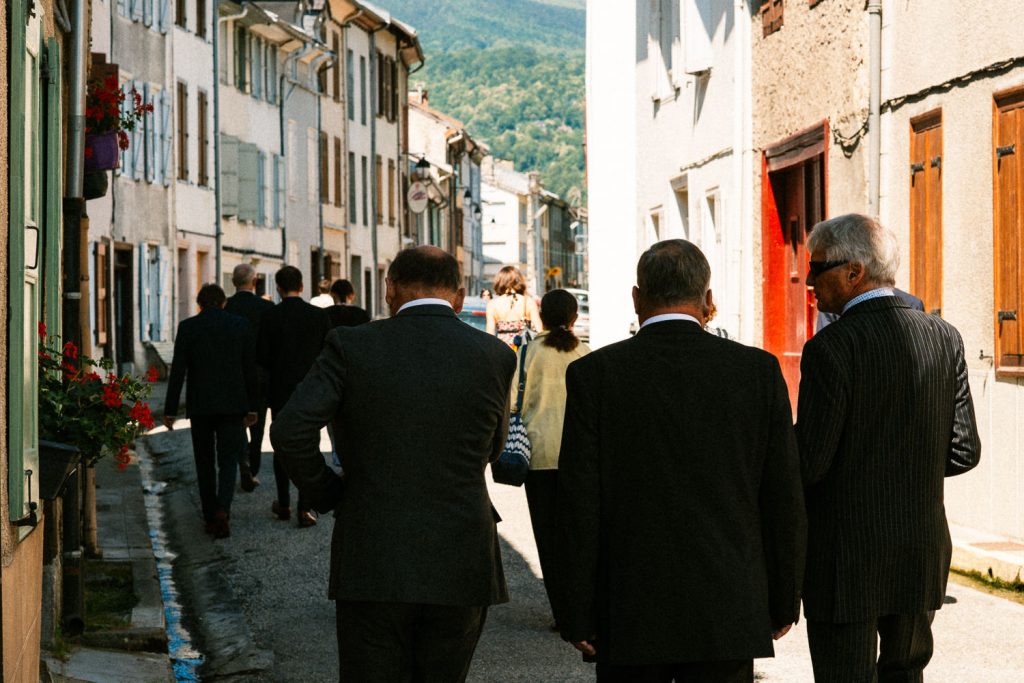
246 304
681 514
344 313
212 349
420 404
885 413
290 338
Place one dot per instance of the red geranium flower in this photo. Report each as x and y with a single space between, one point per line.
70 350
111 396
152 374
42 330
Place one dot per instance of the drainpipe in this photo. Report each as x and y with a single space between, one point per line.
373 167
874 106
216 131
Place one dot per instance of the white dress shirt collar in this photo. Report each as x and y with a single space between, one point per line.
668 316
870 294
425 302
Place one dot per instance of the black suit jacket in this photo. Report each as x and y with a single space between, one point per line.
420 406
681 515
885 413
252 307
214 349
909 299
291 336
344 315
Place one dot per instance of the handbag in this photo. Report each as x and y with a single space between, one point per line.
513 464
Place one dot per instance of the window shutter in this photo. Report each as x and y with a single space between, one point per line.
150 123
394 90
143 292
164 15
147 12
261 187
257 69
166 130
122 8
99 304
1009 181
138 143
96 285
248 181
135 9
126 154
276 199
228 175
163 297
282 183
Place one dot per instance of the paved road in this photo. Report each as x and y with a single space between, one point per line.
278 573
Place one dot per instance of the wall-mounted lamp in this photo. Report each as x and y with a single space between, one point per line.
423 169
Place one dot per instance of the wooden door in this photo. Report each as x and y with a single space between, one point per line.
926 211
1009 233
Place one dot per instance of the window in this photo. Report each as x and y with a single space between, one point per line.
337 172
261 188
204 139
200 18
379 186
271 74
256 75
352 217
242 59
522 212
350 85
336 70
366 220
100 268
180 18
291 153
325 181
362 90
926 210
391 191
183 131
279 185
1008 158
312 149
249 183
149 133
771 16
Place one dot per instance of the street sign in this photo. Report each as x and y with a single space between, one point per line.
417 197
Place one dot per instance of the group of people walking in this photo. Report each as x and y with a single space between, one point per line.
681 517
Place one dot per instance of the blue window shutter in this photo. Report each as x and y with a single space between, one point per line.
248 182
122 8
281 182
257 68
228 175
261 188
147 12
163 15
163 297
143 292
166 132
126 154
135 9
149 120
138 143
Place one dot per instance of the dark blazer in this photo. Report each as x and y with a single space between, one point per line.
885 413
252 307
291 336
909 299
214 349
681 514
420 406
343 315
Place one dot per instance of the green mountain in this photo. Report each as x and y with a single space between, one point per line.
513 72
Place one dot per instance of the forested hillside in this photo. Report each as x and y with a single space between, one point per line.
512 71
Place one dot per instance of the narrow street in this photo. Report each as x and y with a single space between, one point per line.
275 576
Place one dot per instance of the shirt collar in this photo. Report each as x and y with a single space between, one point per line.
425 302
668 316
870 294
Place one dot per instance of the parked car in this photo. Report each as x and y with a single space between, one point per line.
582 326
474 312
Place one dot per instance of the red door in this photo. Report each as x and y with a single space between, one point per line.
793 202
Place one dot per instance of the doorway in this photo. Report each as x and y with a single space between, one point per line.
124 322
793 201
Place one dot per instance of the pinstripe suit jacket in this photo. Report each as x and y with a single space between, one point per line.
884 414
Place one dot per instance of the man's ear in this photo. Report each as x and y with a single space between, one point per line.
458 300
636 299
389 290
709 303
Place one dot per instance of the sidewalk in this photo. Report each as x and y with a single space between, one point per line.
137 652
994 556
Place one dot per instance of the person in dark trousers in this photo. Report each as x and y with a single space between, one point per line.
681 524
213 350
885 414
246 304
291 336
420 403
343 313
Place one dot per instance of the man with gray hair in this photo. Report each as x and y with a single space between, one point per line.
681 514
885 413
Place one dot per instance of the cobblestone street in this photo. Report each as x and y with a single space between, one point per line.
278 575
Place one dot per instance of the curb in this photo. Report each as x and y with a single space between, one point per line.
997 557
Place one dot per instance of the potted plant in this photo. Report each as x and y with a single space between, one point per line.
86 411
108 120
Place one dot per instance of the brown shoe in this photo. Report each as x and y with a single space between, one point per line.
307 518
221 528
282 513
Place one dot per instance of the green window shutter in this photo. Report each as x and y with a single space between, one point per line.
166 137
163 295
144 293
248 182
147 12
261 188
228 175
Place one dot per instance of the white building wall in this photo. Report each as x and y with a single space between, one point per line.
925 46
501 230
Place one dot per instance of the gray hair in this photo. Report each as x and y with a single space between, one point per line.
243 275
673 272
857 238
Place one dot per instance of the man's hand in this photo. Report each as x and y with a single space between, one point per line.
169 422
249 420
585 647
779 632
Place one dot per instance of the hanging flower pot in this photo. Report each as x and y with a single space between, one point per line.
57 462
95 185
101 151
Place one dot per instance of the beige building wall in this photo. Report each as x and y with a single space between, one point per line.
925 46
813 69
